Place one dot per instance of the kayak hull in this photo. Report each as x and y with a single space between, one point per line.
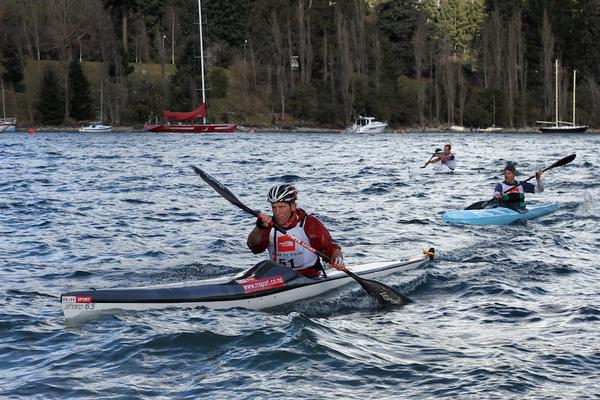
433 171
282 286
498 215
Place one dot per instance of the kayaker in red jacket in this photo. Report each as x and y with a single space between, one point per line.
301 225
515 192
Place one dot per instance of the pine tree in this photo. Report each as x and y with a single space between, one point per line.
80 100
51 103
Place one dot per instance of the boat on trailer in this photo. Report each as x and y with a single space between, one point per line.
265 285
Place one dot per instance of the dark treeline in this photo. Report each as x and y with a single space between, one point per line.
419 63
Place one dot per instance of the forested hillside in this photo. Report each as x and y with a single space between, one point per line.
417 63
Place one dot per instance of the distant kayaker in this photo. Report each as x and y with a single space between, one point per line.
447 157
298 223
515 192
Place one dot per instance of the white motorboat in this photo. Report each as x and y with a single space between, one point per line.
367 125
263 286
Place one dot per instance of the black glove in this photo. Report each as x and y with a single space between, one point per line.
261 225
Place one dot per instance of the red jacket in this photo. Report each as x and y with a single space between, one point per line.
319 236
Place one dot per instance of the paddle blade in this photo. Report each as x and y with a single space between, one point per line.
384 294
223 191
480 205
562 161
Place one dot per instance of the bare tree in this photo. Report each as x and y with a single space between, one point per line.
547 64
420 41
344 63
305 46
279 61
514 62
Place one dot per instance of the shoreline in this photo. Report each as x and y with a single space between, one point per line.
294 129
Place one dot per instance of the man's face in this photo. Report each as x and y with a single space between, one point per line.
508 176
446 150
282 212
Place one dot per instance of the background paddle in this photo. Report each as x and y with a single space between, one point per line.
482 204
437 151
383 293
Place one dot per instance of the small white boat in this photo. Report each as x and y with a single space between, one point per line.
457 128
491 129
367 125
265 285
8 124
96 127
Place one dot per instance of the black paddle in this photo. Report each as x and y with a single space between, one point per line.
437 151
482 204
383 293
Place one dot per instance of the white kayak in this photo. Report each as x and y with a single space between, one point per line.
498 215
437 169
265 285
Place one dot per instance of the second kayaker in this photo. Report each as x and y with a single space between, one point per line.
446 158
301 225
511 193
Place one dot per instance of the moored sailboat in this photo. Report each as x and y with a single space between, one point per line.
558 126
6 124
184 120
99 125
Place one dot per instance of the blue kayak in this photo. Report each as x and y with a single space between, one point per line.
498 215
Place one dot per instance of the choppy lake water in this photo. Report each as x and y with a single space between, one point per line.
503 311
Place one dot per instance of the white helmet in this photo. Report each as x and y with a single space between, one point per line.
286 193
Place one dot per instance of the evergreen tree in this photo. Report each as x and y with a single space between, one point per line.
397 21
11 63
80 100
51 103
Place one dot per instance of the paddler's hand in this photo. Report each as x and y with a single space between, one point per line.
264 221
338 263
538 174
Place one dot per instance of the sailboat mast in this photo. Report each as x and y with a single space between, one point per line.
574 74
555 92
101 119
3 106
201 57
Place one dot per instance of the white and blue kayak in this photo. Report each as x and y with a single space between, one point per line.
498 215
265 285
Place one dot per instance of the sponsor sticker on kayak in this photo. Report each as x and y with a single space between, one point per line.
252 285
77 299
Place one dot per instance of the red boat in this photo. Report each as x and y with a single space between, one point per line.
182 124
